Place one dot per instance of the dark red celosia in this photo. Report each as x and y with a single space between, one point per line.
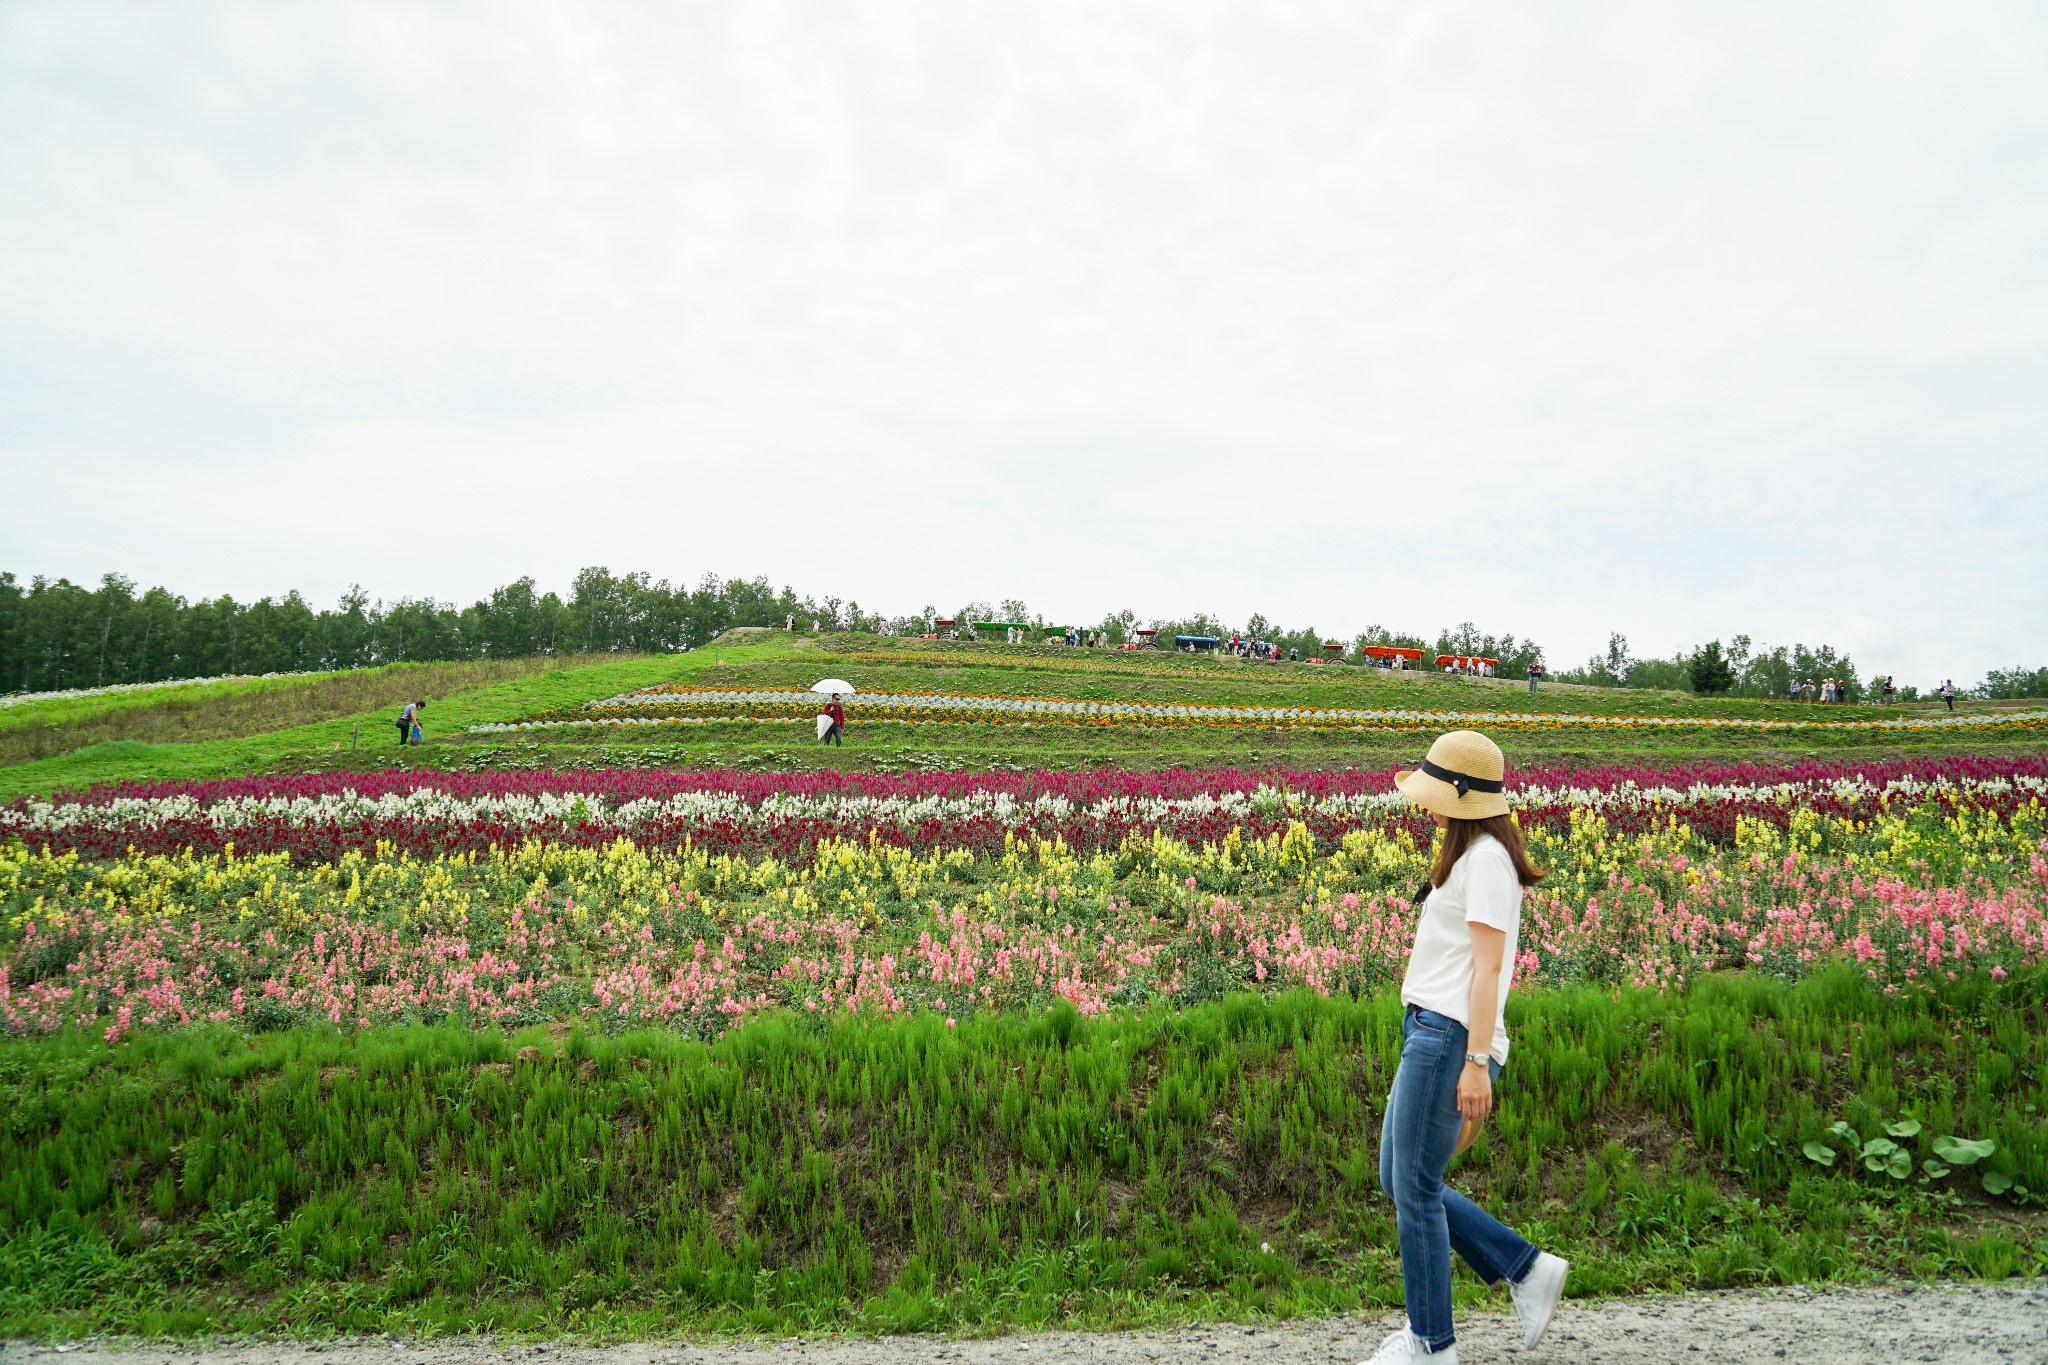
794 838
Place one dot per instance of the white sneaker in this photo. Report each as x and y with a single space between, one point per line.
1537 1295
1404 1346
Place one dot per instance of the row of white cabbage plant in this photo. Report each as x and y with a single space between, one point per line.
433 806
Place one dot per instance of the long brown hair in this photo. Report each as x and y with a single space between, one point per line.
1459 836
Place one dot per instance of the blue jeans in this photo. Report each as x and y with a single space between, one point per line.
1416 1140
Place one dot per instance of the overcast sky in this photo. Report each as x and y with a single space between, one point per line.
1675 320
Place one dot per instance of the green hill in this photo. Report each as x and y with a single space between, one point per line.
342 720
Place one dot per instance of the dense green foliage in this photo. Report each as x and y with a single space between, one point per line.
57 634
2017 681
1216 1160
1708 670
1750 669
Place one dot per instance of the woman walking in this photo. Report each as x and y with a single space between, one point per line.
1453 1044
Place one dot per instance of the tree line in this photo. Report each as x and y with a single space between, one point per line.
1739 668
57 634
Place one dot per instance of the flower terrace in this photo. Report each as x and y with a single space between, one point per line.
674 704
695 899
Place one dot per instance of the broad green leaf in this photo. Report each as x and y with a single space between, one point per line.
1819 1151
1879 1147
1900 1165
1996 1182
1904 1128
1958 1151
1844 1132
1935 1170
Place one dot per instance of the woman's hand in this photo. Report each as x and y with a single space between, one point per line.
1475 1093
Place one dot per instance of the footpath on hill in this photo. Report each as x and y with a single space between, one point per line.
2005 1323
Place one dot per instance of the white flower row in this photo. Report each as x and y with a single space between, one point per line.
1140 711
23 698
429 805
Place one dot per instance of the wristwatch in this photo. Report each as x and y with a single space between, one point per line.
1478 1058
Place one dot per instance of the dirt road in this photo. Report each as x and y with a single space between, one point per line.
2007 1324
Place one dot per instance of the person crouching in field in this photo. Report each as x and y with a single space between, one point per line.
408 721
1453 1045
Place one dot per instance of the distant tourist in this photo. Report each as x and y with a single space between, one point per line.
837 728
1948 693
1535 673
789 621
409 723
1453 1045
1888 689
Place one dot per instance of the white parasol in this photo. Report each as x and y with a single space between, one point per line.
839 685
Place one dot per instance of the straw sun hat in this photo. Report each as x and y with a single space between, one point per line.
1461 778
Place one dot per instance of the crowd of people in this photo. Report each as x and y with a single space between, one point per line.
1835 692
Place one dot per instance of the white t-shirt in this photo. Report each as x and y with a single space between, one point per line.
1482 889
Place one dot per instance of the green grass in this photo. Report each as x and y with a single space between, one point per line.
534 686
70 711
240 710
1215 1162
1044 670
874 748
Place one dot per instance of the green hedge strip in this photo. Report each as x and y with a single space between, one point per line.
1217 1161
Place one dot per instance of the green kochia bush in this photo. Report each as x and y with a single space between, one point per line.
1015 1170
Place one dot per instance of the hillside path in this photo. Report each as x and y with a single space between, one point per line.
2006 1324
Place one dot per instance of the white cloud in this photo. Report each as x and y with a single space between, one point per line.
1678 322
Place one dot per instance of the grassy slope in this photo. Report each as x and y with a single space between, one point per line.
1214 1161
242 709
1041 671
1034 670
329 739
72 711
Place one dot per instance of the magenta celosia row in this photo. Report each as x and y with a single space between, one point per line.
787 817
1081 787
546 961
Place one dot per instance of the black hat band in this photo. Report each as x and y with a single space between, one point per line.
1464 782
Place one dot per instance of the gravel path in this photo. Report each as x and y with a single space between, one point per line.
2006 1323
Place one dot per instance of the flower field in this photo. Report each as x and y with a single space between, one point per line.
676 704
695 900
